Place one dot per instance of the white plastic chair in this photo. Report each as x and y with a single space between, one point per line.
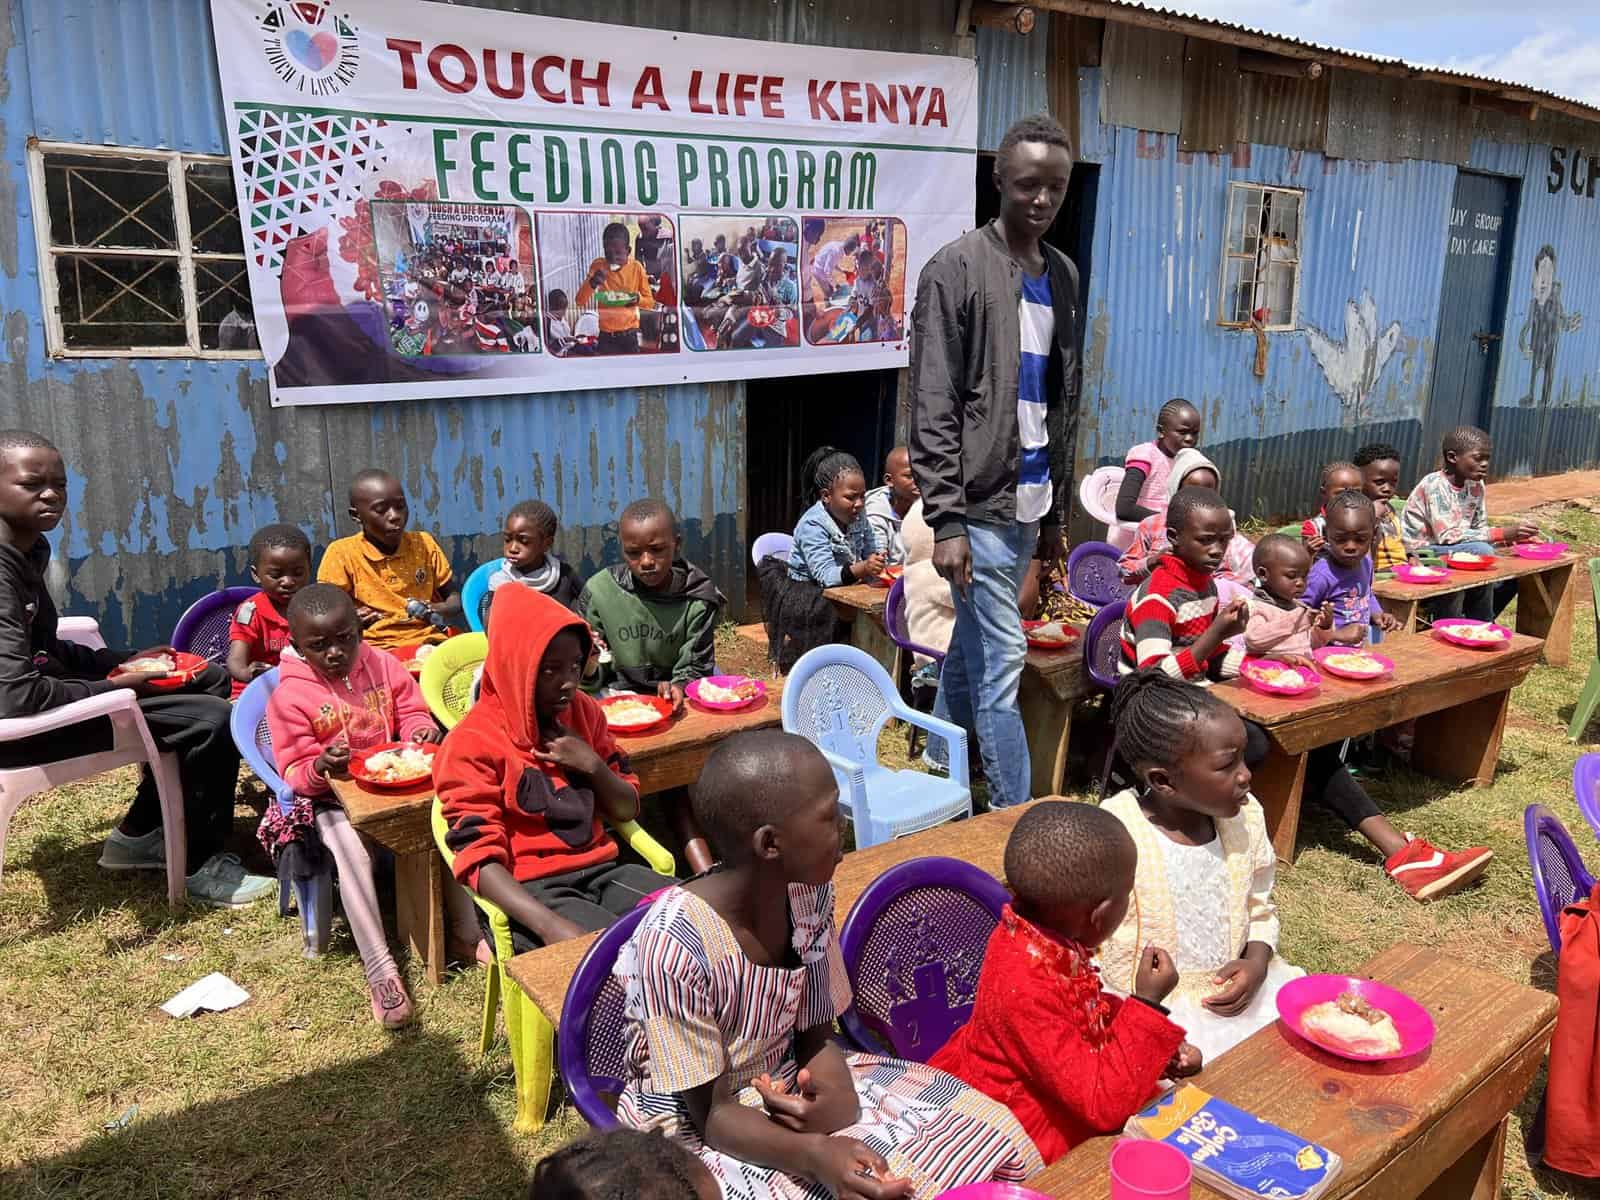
1098 495
131 743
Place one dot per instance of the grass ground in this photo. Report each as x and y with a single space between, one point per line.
299 1093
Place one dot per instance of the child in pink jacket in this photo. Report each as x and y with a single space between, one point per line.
336 694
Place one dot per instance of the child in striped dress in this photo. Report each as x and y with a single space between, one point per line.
733 982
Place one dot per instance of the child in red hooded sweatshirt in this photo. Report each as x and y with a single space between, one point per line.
526 778
335 694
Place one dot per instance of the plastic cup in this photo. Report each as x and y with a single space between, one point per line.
1142 1170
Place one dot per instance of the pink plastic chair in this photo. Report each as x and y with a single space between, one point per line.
131 743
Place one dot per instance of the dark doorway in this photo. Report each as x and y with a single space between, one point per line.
786 419
1481 227
1073 232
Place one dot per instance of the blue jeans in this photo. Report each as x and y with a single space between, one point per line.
983 669
1480 603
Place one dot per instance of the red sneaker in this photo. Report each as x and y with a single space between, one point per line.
1428 873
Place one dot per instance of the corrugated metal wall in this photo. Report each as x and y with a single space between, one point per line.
1375 224
174 464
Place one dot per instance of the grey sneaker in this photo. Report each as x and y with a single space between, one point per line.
124 853
222 882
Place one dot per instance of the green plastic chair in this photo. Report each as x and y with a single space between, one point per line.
447 676
1589 698
532 1037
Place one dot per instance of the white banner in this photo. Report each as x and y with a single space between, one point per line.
449 201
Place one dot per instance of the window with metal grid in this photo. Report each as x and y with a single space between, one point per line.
1261 256
140 254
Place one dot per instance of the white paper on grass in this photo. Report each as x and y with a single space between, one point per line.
215 993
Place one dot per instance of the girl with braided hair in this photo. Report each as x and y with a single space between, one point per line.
1203 884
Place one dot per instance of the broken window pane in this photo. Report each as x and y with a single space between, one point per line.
213 208
119 302
227 322
120 202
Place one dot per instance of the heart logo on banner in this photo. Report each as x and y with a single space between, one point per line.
313 52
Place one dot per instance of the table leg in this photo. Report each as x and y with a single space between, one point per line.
1476 1174
1048 721
1544 610
1462 744
1404 611
419 908
1278 782
867 633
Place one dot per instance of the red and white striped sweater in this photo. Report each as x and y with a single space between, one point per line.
1164 617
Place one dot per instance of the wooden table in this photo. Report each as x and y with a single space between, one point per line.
1545 598
402 821
544 973
862 605
1434 1128
1052 681
1457 695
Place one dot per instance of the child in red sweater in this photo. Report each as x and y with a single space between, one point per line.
526 777
280 561
336 694
1068 1059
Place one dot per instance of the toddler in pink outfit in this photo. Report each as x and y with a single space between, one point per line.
1280 627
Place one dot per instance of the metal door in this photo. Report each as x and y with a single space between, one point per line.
1472 306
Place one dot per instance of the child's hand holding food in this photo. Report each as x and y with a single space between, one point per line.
334 760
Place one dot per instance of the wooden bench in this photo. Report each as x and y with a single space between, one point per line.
1434 1127
1545 598
1457 695
544 973
402 821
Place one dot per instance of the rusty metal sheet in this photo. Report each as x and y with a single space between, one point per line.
1142 79
1377 119
1211 94
1275 110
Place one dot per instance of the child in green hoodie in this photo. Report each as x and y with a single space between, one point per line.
657 615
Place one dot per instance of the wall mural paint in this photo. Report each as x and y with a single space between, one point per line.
1541 332
1354 366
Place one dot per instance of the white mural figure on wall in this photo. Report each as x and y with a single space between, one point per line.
1354 366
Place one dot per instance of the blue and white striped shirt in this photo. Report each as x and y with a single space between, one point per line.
1038 321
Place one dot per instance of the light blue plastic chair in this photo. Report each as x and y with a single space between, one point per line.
839 698
313 897
475 595
773 545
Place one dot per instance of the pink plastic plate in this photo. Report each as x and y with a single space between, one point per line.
1326 652
992 1191
1411 1020
1247 672
1539 551
726 681
1406 573
1446 631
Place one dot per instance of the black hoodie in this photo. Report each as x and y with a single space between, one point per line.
655 637
38 670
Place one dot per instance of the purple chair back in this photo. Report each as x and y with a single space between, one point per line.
913 945
1559 874
1102 645
1586 789
1092 574
590 1047
894 621
203 628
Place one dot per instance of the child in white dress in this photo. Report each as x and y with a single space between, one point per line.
1206 866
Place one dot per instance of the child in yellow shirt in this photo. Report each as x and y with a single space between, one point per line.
385 567
620 288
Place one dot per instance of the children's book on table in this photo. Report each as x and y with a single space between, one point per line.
1234 1152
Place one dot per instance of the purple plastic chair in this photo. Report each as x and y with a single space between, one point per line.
913 945
894 621
1586 789
589 1044
1092 574
1559 874
203 628
1102 651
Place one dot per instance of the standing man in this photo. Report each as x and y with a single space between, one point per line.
994 372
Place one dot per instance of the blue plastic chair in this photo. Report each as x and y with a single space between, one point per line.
839 698
475 595
1586 789
203 628
1559 874
313 897
771 545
